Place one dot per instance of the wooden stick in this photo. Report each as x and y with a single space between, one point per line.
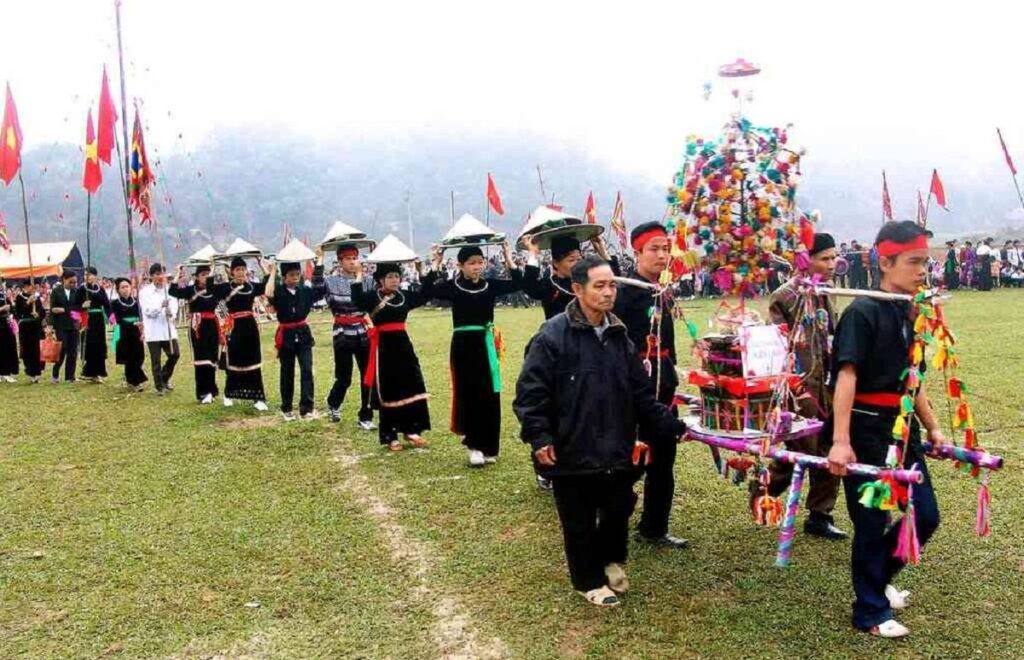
127 148
28 239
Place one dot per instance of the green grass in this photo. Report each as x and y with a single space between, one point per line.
132 526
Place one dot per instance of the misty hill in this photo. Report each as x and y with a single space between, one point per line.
251 183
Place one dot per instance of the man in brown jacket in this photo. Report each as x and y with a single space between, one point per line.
813 361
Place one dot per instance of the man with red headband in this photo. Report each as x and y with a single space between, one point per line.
350 339
871 354
813 358
649 323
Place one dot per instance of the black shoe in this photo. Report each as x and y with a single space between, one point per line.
543 483
665 541
334 414
824 529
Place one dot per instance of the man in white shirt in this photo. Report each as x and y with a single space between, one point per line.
159 311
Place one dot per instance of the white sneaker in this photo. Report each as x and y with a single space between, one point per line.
10 379
261 406
617 580
602 597
228 402
891 629
206 400
898 600
367 425
476 458
288 416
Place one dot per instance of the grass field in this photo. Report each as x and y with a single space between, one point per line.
136 526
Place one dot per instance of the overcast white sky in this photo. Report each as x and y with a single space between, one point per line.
898 84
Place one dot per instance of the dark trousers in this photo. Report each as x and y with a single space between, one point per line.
68 353
206 381
594 511
824 490
872 565
343 358
659 482
288 357
163 374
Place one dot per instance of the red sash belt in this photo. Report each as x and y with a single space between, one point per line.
342 319
230 323
199 317
879 399
374 335
281 327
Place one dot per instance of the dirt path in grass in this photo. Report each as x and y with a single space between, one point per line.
453 629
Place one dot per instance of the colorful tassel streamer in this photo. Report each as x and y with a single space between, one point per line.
908 548
983 522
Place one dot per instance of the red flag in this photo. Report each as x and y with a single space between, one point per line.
10 140
618 221
1006 153
920 209
937 190
92 177
141 176
493 198
590 212
886 201
106 118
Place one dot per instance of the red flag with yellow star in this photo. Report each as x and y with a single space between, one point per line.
10 140
92 177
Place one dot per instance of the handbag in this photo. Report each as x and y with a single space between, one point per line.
49 350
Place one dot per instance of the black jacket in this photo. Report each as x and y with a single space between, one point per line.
586 396
64 322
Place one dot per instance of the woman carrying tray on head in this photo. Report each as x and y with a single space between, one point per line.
475 347
393 374
244 353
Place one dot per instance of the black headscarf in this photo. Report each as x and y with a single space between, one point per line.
384 269
822 242
237 262
561 246
468 252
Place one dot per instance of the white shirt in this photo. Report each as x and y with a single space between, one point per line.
158 321
1013 256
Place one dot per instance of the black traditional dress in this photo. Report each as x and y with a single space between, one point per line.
8 338
951 270
474 357
129 349
553 292
243 352
95 331
394 374
205 336
29 312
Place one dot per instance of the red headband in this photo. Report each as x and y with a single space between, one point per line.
892 248
640 241
348 252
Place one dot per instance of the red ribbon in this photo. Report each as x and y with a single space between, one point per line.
374 335
343 319
230 323
199 317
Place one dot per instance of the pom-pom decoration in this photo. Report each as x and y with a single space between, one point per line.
732 206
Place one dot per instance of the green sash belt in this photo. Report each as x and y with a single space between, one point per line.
492 352
117 331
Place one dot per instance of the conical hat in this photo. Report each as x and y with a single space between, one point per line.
204 256
242 248
543 237
295 251
467 228
391 250
545 217
470 231
341 233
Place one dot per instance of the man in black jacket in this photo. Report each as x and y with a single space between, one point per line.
581 395
65 299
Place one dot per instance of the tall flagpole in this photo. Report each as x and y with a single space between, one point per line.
408 216
540 179
88 228
28 239
127 151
